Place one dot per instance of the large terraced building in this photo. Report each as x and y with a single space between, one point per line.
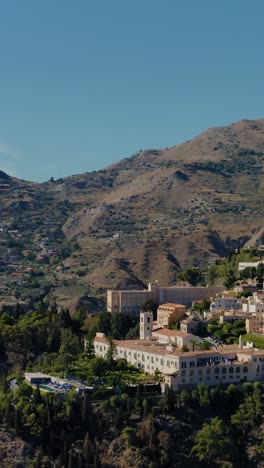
166 351
129 301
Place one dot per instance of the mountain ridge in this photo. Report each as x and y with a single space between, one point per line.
149 215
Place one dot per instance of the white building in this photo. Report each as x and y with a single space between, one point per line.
243 265
185 370
162 335
173 337
225 303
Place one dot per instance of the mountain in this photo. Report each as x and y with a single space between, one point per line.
162 209
150 214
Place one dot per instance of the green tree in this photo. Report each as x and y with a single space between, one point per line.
150 306
89 348
86 449
111 350
168 401
212 442
191 275
205 345
69 342
193 342
229 279
129 436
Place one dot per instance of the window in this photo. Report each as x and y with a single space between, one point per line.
238 370
231 370
148 319
183 365
183 373
245 370
217 370
224 370
192 363
192 373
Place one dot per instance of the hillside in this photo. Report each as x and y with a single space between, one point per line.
159 210
148 215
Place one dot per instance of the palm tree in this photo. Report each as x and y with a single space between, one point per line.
193 343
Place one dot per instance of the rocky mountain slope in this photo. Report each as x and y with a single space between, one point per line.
152 213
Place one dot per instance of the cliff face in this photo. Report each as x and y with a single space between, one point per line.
157 211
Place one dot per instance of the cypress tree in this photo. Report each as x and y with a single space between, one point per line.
96 456
86 449
71 459
146 408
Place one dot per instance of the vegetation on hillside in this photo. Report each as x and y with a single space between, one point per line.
205 427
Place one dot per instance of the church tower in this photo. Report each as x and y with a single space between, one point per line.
146 325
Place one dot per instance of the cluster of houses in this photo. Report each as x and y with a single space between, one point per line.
172 352
228 308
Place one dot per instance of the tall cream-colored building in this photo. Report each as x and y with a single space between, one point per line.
168 313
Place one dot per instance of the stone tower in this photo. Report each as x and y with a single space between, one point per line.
146 325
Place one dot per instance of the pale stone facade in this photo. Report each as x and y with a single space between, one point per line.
130 301
168 313
146 325
255 324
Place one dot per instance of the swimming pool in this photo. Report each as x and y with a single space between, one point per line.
46 388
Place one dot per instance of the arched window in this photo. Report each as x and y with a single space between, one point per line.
217 370
224 370
245 370
238 370
231 370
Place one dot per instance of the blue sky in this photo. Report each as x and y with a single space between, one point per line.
86 83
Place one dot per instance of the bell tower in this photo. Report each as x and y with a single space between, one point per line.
146 325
